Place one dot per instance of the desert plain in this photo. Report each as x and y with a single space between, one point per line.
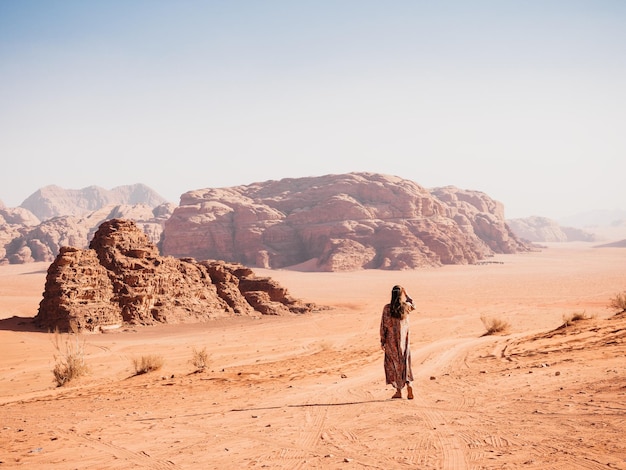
308 391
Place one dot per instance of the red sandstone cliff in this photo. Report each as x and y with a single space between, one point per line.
339 223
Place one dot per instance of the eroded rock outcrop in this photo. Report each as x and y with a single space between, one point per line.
122 279
339 223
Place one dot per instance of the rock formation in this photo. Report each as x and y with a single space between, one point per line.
53 217
13 224
42 241
53 201
542 229
122 279
338 223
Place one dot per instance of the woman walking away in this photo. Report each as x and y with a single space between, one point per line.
394 340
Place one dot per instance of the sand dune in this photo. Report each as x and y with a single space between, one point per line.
309 392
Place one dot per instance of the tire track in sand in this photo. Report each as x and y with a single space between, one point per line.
120 457
454 448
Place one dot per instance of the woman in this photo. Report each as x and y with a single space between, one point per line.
394 340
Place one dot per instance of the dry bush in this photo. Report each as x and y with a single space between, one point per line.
69 359
199 359
148 363
574 317
494 325
325 345
618 302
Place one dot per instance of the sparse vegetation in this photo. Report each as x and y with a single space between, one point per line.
199 359
618 302
325 345
494 325
574 317
69 359
148 363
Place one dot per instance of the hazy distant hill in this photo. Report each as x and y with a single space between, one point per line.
542 229
53 217
596 218
52 201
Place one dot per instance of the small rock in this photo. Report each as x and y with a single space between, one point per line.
557 373
432 377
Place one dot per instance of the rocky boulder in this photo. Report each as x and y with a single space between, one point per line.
122 279
338 223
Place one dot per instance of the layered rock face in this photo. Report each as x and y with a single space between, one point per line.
338 223
122 279
478 214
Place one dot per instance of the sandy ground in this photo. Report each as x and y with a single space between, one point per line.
309 391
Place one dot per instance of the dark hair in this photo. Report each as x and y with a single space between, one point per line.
396 307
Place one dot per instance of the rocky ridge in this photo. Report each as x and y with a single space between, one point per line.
43 241
54 201
53 217
339 223
122 279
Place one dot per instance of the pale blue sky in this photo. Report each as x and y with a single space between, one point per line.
524 100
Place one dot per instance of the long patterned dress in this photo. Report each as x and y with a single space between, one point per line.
394 335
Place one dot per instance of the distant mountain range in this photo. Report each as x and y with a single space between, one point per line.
53 201
53 217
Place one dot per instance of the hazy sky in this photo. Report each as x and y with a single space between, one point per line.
524 100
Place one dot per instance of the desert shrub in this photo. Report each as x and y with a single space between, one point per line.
69 360
199 358
148 363
574 317
325 345
494 325
618 302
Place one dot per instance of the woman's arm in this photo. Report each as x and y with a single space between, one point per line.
383 329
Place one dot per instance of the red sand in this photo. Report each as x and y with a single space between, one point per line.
309 392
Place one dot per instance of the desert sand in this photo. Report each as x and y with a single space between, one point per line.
309 391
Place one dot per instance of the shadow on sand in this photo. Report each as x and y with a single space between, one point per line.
20 324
